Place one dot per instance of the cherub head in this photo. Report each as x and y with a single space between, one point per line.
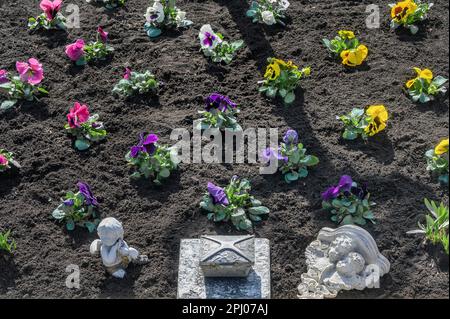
110 230
340 248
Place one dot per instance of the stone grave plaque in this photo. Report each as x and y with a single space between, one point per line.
224 267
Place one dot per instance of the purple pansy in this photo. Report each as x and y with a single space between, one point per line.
209 39
85 190
361 192
218 195
269 154
291 137
69 202
146 145
345 184
219 102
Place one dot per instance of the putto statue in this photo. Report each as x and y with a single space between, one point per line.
115 253
345 258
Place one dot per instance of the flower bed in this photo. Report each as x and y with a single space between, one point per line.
392 163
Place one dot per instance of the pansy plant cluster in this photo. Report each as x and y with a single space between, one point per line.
7 244
85 127
214 46
220 113
425 85
164 15
151 159
134 83
7 160
282 78
348 203
347 47
81 53
233 203
293 162
269 12
25 86
51 18
437 160
364 123
408 13
109 4
78 209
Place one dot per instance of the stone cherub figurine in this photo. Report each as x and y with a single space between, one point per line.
115 253
345 258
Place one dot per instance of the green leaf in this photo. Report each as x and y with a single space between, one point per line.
302 173
260 210
7 104
289 98
70 225
349 134
439 81
153 32
59 213
82 145
291 177
251 13
90 226
368 215
164 173
348 220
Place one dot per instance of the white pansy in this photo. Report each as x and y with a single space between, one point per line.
208 39
268 17
155 13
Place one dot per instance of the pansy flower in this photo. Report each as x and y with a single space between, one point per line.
219 102
218 195
442 147
3 76
31 72
50 8
85 190
378 118
291 137
345 184
146 144
208 38
75 50
425 74
127 74
155 13
103 35
270 154
78 115
3 160
402 10
356 56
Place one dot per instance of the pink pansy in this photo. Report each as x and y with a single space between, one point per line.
3 76
127 74
75 50
3 160
31 72
103 34
78 115
51 8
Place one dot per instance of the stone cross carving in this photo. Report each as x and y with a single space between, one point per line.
115 253
345 258
227 256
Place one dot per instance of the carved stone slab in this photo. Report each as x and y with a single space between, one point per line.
193 284
227 256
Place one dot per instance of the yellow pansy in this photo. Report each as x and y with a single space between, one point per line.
307 71
378 118
442 147
344 34
402 10
273 71
355 57
425 74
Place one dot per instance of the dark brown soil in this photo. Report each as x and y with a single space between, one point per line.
156 219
